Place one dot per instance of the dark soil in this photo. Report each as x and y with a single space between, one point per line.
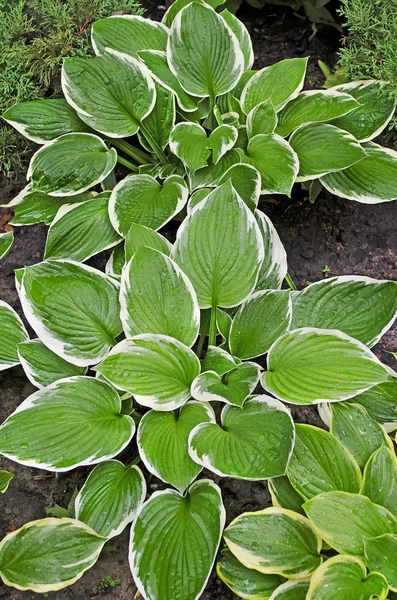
337 235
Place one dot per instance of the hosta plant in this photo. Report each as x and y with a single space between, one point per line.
197 351
178 105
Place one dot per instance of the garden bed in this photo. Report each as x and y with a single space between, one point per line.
333 236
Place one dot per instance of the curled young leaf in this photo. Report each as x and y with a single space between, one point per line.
12 332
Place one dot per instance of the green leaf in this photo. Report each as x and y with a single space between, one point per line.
361 307
261 119
279 83
380 554
189 142
73 309
79 231
73 422
5 478
370 181
319 463
48 555
185 532
128 34
284 495
156 369
254 442
161 120
163 443
353 426
291 590
115 263
112 93
44 120
246 180
374 112
381 404
42 366
315 106
324 148
345 520
197 197
274 266
222 268
276 541
157 297
71 164
242 35
380 479
139 235
259 322
276 162
308 366
110 497
211 175
218 63
12 332
141 199
233 387
218 360
6 242
157 64
344 578
176 6
245 583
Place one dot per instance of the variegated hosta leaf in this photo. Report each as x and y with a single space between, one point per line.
345 520
218 360
279 83
81 230
141 199
314 106
211 176
115 263
380 479
319 463
344 578
5 479
160 122
185 532
274 267
374 112
361 307
324 148
128 34
284 495
245 583
42 366
48 555
73 309
261 119
44 120
242 35
370 181
163 443
275 540
176 6
6 242
308 366
259 322
218 63
189 142
291 590
221 264
254 442
157 297
156 369
233 387
157 64
12 332
110 497
73 422
139 235
112 93
381 404
246 180
380 554
71 164
353 426
276 162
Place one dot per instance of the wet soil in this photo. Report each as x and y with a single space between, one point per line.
332 236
